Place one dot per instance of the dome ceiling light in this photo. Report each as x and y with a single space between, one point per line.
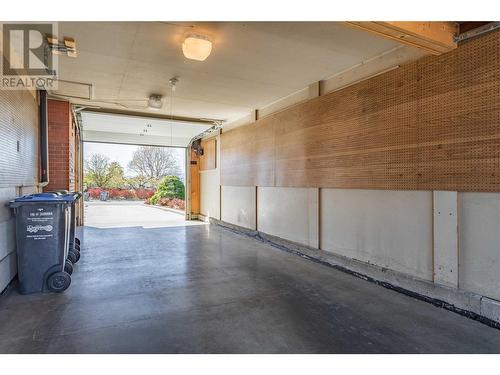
196 47
155 101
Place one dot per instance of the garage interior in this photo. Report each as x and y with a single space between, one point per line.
343 177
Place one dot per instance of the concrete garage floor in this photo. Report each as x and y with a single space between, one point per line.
202 289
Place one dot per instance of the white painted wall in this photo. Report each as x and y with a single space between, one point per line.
388 228
446 238
449 238
287 101
8 264
18 169
7 238
479 242
373 66
210 189
210 194
289 213
238 205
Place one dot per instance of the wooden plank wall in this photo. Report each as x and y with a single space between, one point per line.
195 183
430 125
208 159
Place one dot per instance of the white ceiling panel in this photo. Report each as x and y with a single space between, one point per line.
252 63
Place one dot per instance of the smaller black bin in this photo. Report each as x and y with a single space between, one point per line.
74 242
42 236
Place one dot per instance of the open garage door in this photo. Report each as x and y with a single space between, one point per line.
158 144
138 130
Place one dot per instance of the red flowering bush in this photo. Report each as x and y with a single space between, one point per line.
122 194
114 193
144 194
94 193
175 203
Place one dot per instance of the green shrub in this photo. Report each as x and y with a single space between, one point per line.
169 187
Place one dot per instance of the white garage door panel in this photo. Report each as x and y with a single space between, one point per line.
113 128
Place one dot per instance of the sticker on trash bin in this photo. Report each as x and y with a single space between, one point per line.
37 228
40 224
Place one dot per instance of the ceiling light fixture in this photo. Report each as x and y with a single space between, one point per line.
197 47
155 102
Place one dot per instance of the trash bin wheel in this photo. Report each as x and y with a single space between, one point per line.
74 256
59 281
77 253
77 241
68 267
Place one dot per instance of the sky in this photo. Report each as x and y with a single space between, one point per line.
123 153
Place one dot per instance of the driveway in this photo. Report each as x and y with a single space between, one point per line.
113 214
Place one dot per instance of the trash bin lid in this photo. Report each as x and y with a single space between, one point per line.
42 198
59 192
77 194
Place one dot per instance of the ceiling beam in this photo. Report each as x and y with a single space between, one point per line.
433 37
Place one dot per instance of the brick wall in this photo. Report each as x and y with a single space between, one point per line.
60 138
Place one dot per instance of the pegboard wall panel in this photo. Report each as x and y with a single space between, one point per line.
247 157
18 139
433 124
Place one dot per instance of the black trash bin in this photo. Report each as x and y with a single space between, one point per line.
74 242
42 235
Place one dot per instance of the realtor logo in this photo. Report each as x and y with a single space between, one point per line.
27 60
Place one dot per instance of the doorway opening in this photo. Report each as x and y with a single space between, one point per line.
134 169
130 185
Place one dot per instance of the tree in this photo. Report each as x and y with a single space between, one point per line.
97 170
169 187
153 163
138 182
116 175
